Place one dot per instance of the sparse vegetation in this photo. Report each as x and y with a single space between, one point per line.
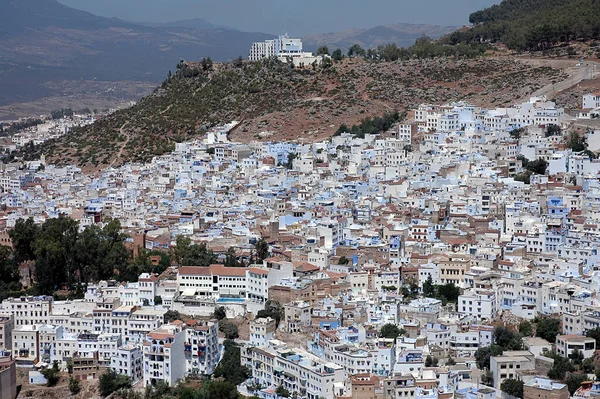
265 95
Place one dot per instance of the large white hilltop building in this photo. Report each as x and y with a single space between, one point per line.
284 48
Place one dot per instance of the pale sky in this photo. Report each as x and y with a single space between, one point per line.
298 17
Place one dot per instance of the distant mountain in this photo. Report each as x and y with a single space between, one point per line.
404 35
43 41
194 23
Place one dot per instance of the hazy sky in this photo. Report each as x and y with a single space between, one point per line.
298 17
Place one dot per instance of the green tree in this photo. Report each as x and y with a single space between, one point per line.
574 381
576 142
553 130
356 51
198 255
229 329
390 331
282 392
111 381
273 309
588 365
487 378
158 300
231 259
431 361
576 357
343 260
483 355
55 254
23 236
547 328
74 386
538 166
9 273
172 315
560 367
512 387
594 333
337 55
220 313
323 50
51 374
448 293
230 366
506 339
525 328
450 362
429 288
262 250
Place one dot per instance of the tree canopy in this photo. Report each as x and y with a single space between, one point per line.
532 24
512 387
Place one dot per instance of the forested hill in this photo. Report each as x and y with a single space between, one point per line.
533 24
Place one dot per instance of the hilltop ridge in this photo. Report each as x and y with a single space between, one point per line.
274 102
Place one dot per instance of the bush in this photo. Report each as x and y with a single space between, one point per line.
74 386
229 329
111 382
51 375
512 387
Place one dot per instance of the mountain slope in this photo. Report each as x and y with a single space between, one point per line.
533 24
403 35
43 41
193 23
275 103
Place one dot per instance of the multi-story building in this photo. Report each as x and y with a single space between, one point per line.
479 303
128 361
510 364
164 355
309 376
262 331
201 347
29 310
7 323
26 344
297 315
566 344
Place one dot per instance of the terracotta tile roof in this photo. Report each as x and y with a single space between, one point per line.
194 270
220 270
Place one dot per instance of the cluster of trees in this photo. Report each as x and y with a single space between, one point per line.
273 309
537 167
9 274
375 125
445 292
192 388
391 331
572 370
111 381
64 257
6 129
578 143
61 113
532 24
67 258
230 367
424 48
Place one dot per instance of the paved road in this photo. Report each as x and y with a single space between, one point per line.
588 70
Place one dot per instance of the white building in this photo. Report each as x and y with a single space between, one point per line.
163 355
128 361
478 303
285 49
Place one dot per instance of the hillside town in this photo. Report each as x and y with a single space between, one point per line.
451 257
